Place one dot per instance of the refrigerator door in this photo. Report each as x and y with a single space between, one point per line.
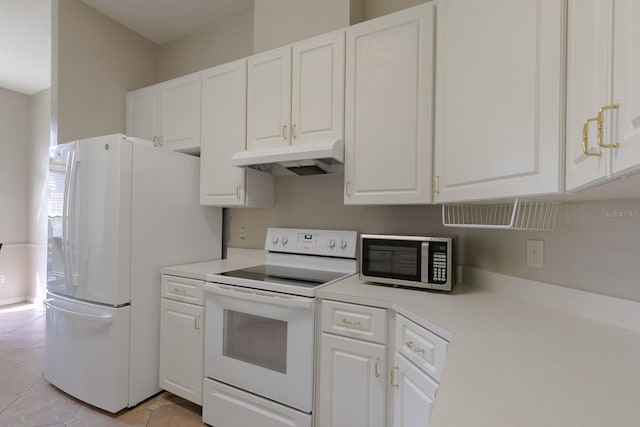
90 219
87 351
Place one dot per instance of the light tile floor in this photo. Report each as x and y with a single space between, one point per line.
27 399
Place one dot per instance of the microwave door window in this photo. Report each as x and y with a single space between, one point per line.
392 260
257 340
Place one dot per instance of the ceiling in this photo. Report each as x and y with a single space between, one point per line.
25 30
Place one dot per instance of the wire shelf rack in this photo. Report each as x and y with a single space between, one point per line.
538 215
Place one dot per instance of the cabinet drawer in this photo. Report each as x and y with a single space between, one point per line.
183 289
420 346
356 321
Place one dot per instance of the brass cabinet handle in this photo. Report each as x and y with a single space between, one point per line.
197 322
601 126
350 322
284 132
376 373
238 191
179 291
393 377
294 131
347 188
414 348
585 138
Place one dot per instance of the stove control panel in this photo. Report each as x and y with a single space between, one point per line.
336 243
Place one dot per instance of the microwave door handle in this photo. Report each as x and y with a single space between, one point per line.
424 262
247 294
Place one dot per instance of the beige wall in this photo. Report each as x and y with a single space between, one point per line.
224 41
97 61
376 8
281 22
14 190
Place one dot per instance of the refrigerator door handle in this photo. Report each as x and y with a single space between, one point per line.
68 224
65 215
105 318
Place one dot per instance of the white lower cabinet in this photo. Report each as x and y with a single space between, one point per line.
226 406
352 386
357 388
413 395
182 338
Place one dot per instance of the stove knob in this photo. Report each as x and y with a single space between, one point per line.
332 243
343 244
284 240
275 240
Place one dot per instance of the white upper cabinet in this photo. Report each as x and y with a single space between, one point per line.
167 113
224 134
296 93
499 83
603 91
389 108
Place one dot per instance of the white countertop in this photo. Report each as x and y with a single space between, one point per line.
236 258
516 363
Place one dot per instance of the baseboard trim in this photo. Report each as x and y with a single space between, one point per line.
15 300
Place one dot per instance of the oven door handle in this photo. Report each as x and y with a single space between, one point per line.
257 295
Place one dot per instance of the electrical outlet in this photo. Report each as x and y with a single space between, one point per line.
242 233
535 253
1 279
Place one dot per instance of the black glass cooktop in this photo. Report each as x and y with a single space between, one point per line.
285 275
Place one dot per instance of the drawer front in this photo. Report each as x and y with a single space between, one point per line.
420 346
355 321
183 289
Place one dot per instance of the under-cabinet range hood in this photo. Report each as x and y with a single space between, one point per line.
300 159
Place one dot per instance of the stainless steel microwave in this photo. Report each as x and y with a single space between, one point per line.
413 261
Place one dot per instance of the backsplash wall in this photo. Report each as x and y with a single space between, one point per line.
595 247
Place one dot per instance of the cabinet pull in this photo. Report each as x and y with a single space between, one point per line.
294 131
601 126
179 291
350 322
196 322
284 132
347 189
393 377
238 191
376 373
414 348
585 138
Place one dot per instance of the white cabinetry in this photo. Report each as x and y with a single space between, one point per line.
296 93
499 91
167 113
389 108
603 91
352 371
418 363
182 337
224 134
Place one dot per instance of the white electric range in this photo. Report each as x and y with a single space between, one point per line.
260 333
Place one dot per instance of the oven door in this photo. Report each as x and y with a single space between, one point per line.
261 342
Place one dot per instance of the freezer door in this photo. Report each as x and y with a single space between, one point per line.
90 219
87 351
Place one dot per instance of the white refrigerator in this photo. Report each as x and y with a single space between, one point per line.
119 209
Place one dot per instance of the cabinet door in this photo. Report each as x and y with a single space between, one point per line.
180 123
143 113
223 134
269 99
414 392
182 349
317 112
499 93
388 108
588 88
626 86
352 383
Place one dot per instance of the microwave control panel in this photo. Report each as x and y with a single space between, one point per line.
438 262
